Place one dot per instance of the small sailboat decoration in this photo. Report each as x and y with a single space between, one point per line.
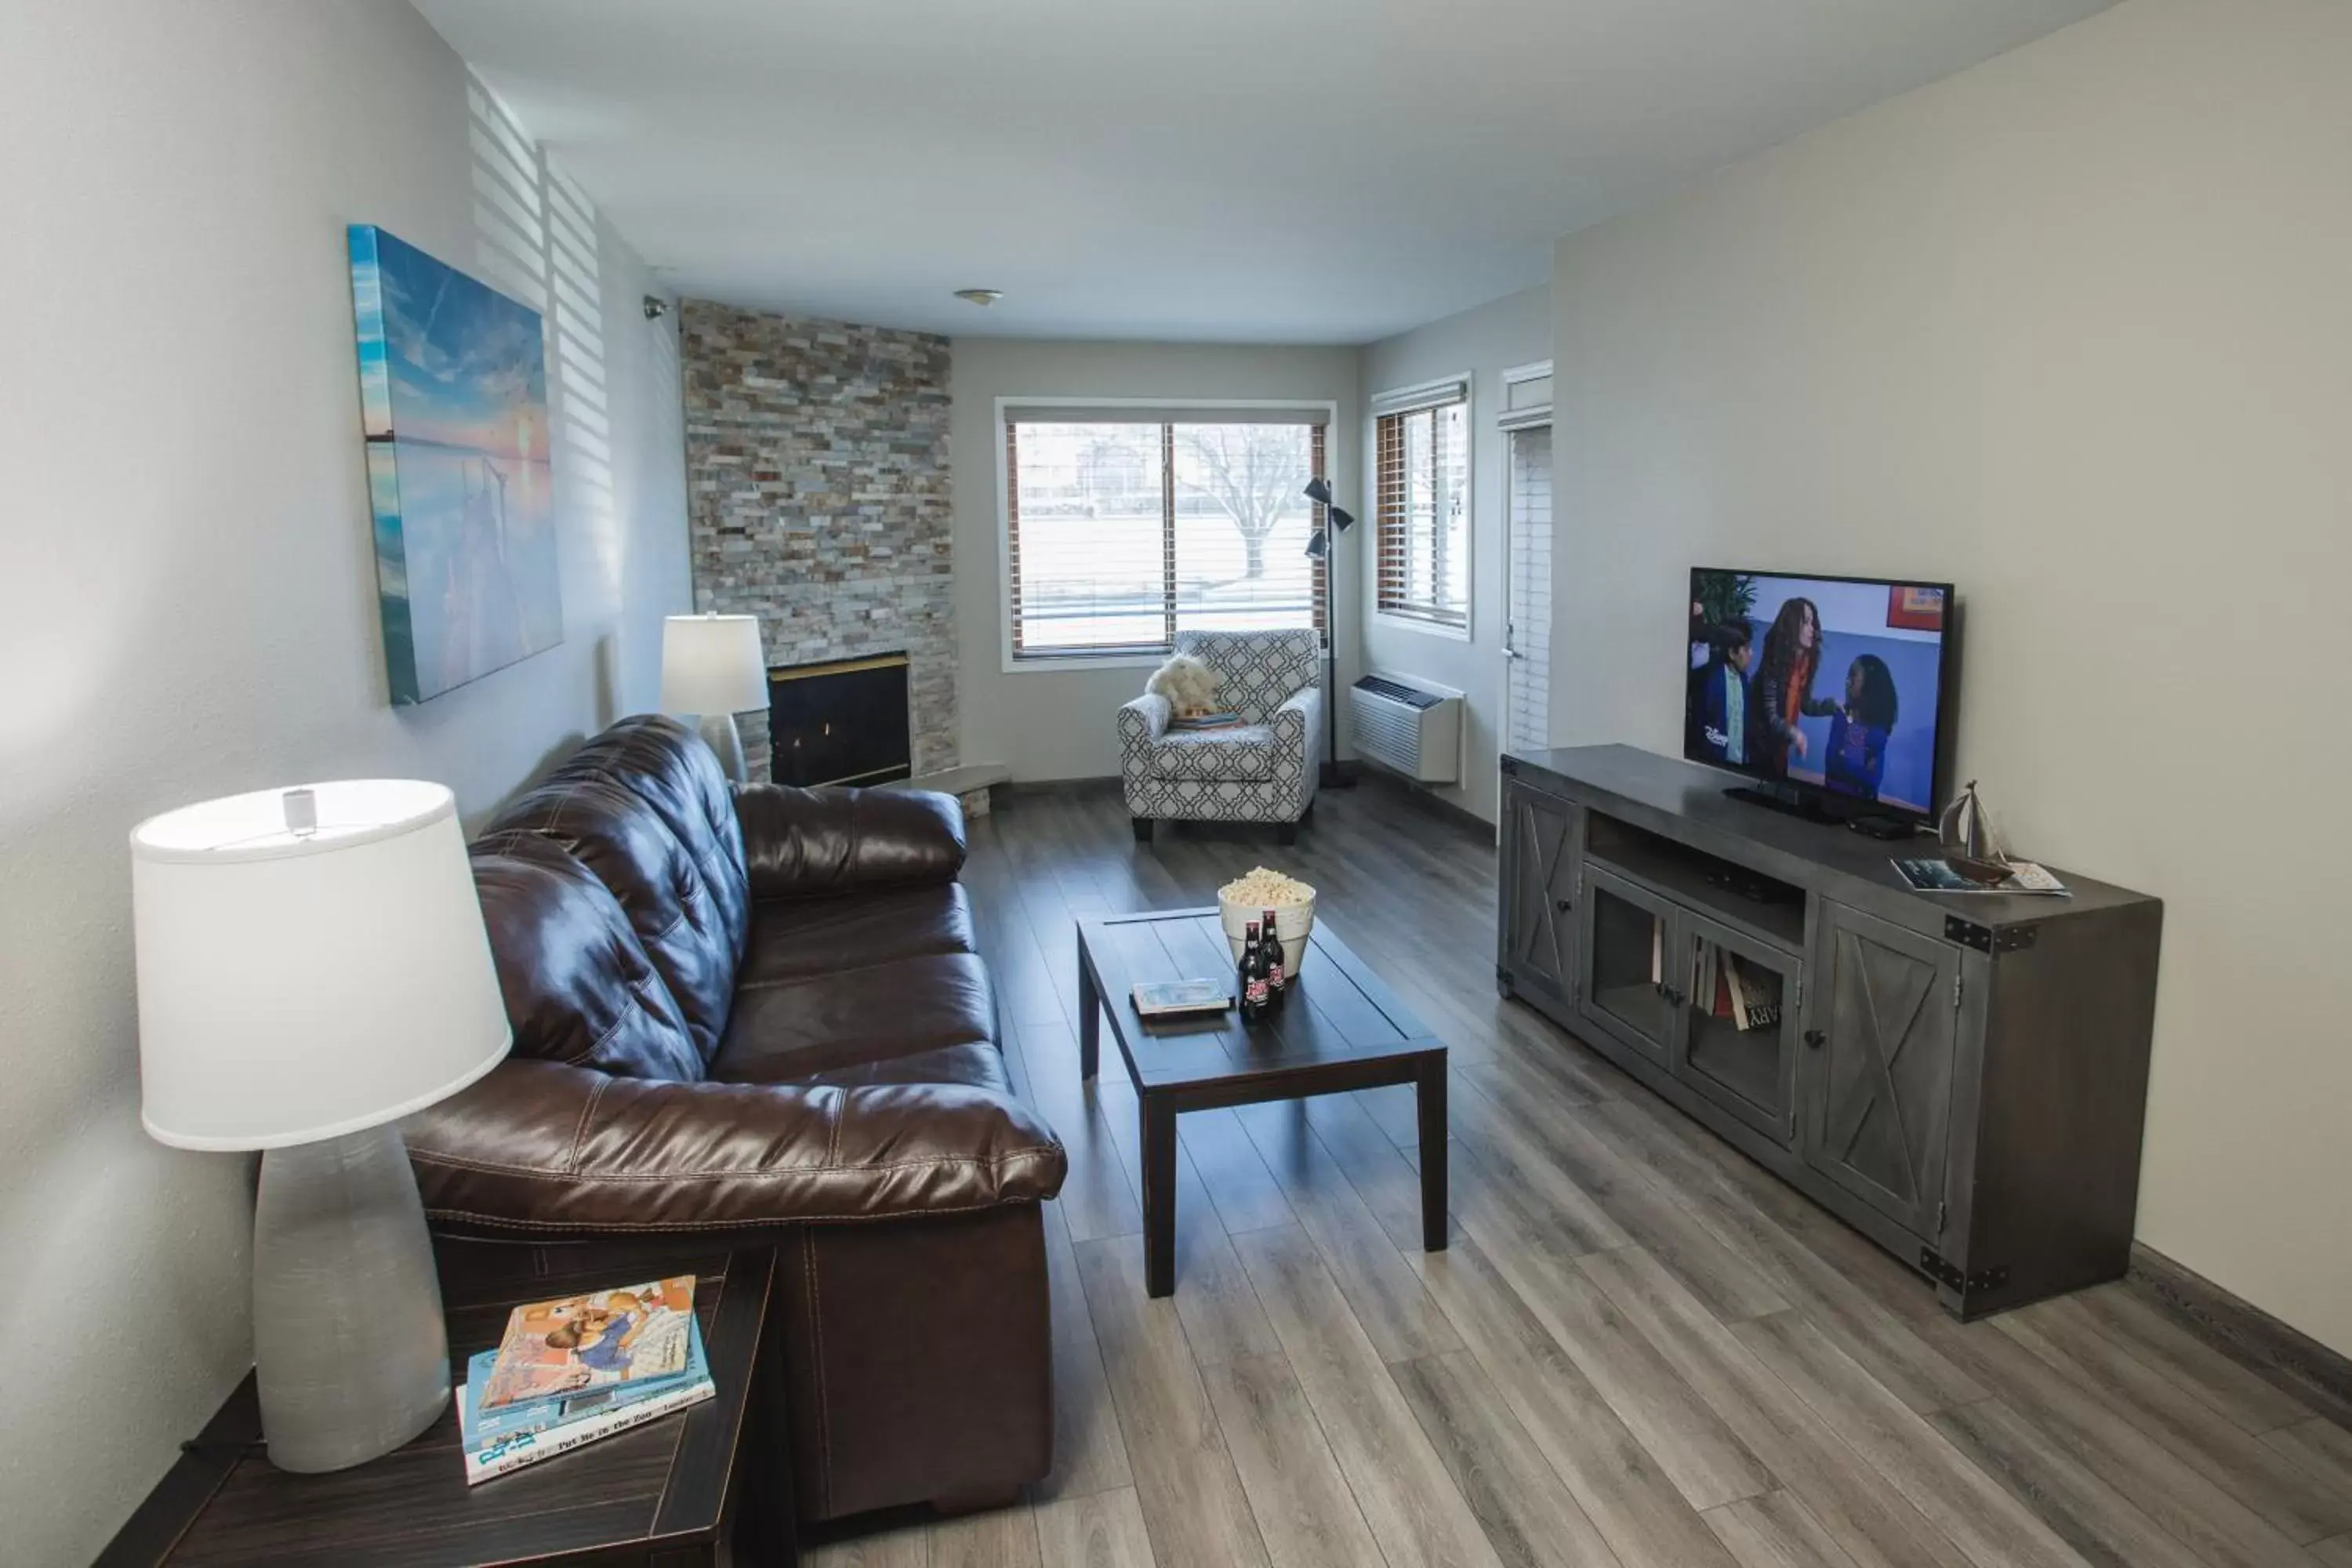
1969 839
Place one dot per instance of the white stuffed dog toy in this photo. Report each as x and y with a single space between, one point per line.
1189 686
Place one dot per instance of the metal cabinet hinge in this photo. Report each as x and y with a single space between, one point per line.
1984 939
1943 1216
1949 1275
1957 979
1800 1002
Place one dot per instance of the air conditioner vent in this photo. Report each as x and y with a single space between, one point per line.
1408 728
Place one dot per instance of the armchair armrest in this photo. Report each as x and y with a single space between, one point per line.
1146 718
547 1147
1299 722
798 842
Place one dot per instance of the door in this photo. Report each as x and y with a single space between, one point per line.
1877 1077
1527 563
1539 840
1740 1039
1626 939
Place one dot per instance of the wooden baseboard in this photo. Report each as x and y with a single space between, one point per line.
1018 787
1424 799
2287 1357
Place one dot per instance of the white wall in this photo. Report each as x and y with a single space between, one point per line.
187 606
1482 343
2071 330
1061 723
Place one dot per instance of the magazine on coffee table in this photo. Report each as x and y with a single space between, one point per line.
1181 998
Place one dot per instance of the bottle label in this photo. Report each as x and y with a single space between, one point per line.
1255 995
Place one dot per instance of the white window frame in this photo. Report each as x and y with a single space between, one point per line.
1014 664
1468 382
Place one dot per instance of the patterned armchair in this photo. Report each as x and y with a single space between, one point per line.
1261 771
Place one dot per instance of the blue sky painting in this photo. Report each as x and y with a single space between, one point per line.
453 403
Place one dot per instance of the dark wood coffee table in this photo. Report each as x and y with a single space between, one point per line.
1338 1029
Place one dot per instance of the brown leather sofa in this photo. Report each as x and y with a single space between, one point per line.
761 1010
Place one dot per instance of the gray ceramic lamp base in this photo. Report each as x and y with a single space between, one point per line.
349 1355
724 738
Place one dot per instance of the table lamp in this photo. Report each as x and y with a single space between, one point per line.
312 966
713 668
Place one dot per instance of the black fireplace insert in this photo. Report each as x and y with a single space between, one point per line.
842 721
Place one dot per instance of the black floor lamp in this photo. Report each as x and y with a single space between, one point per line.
1319 490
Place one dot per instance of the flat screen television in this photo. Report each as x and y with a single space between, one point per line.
1833 692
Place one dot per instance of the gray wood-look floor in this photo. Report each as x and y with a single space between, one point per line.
1640 1350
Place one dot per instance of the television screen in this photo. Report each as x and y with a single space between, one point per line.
1833 683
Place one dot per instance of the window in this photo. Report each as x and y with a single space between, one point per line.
1423 465
1122 529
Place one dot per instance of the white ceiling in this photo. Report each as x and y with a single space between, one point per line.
1301 171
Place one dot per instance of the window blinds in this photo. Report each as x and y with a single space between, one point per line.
1123 527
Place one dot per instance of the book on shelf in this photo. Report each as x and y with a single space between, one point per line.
509 1437
603 1339
1760 1000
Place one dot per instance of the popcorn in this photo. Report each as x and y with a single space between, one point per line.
1265 887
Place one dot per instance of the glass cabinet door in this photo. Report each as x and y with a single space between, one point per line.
1741 1024
1628 939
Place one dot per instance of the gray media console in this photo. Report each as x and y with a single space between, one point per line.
1961 1075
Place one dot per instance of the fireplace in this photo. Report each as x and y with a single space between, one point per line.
841 722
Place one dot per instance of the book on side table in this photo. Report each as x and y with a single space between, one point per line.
577 1368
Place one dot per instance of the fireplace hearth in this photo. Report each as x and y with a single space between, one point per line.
840 721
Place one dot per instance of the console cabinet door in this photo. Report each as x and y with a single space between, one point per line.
1876 1080
1540 857
1740 1052
1627 940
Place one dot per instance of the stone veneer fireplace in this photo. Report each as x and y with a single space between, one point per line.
843 722
818 488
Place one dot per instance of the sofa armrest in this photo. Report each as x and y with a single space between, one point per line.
798 842
547 1147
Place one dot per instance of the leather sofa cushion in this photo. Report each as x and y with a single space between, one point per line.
578 986
976 1066
681 920
792 1030
797 937
807 843
676 775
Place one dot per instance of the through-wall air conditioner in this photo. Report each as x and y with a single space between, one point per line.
1406 727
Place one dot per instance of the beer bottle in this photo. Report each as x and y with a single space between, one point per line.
1253 993
1276 980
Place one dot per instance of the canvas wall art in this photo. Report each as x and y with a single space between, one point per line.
453 401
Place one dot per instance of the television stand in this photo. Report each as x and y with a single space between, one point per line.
1962 1078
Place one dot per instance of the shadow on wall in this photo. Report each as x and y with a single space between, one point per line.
535 238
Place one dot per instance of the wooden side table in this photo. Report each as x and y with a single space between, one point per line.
708 1485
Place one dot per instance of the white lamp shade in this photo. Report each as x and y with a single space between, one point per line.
295 987
712 664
